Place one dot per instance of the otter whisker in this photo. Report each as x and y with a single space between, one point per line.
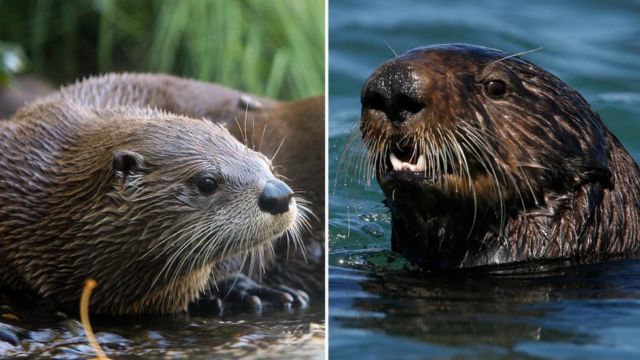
375 161
253 132
481 152
390 48
174 233
462 160
215 243
439 170
434 149
378 162
167 248
361 164
441 156
517 54
367 164
201 236
270 251
264 129
243 262
499 163
253 255
293 234
278 149
242 134
246 134
195 226
345 159
451 158
168 264
187 239
444 153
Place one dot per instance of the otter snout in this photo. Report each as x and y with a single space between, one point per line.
396 90
275 197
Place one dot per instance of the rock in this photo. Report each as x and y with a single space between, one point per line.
9 333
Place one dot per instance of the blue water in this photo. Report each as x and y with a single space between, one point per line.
589 311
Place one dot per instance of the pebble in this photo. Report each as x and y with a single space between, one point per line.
9 334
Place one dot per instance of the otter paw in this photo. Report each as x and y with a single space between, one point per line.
239 290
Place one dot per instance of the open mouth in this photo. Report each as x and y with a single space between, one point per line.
405 161
420 164
419 167
409 158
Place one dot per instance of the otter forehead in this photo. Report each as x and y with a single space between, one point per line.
456 52
176 142
452 58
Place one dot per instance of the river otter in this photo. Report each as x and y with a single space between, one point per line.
485 158
102 180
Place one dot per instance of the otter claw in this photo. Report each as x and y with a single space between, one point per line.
241 290
253 301
280 295
300 298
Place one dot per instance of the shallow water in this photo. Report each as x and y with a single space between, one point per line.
583 311
274 333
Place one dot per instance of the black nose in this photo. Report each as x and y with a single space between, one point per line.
275 197
396 90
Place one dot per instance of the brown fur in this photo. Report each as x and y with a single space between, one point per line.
20 91
67 213
525 175
296 128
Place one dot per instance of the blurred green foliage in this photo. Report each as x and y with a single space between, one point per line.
269 47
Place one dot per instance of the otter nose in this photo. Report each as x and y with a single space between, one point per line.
275 197
395 90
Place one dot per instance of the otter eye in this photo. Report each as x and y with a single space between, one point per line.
206 185
495 88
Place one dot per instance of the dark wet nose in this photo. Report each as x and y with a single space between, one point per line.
275 197
396 90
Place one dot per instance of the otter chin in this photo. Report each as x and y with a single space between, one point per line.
485 158
148 203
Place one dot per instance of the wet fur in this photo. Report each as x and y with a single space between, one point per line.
66 215
535 175
292 131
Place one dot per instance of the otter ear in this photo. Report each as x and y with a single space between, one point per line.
126 164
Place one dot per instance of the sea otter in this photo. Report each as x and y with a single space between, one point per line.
485 158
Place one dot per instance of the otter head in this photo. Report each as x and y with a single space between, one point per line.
156 201
465 138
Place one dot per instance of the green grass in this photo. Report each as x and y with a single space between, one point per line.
269 47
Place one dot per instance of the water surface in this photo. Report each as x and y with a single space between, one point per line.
380 311
242 333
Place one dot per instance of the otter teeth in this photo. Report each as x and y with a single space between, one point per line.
422 163
399 165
